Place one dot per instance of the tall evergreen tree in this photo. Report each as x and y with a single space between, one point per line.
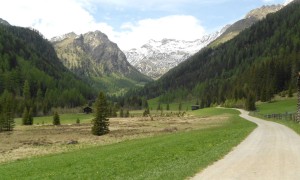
30 117
250 102
56 119
179 107
101 122
127 113
7 122
25 116
121 112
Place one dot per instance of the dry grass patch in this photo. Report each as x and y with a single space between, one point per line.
37 140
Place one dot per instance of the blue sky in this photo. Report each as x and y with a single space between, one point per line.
129 23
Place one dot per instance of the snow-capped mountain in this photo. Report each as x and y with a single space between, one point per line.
157 57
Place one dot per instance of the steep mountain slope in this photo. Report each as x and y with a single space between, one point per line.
31 71
259 62
3 22
251 18
94 56
157 57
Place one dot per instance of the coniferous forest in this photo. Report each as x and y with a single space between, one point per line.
32 77
261 61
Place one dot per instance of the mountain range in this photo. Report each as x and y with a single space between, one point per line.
155 58
94 57
259 62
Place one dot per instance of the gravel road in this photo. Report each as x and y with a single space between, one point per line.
270 152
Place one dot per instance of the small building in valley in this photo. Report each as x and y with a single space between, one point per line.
195 107
87 110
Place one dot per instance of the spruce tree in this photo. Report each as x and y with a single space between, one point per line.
127 113
250 102
146 112
168 107
25 116
179 107
30 117
158 107
101 122
7 122
121 112
56 119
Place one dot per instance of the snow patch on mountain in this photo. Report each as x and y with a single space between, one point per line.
157 57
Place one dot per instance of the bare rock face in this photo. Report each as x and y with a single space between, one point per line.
92 54
252 17
261 13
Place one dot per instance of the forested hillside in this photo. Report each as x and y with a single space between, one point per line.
31 73
261 61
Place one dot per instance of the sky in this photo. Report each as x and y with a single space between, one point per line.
129 23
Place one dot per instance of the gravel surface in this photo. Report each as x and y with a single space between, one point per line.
271 151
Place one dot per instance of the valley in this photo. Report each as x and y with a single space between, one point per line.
223 104
186 143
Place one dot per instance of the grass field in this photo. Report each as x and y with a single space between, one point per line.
64 119
280 106
185 106
176 155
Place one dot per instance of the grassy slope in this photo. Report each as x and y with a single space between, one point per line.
280 106
173 156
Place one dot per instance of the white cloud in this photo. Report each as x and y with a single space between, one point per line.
57 17
51 18
173 27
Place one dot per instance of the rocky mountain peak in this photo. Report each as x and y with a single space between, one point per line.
91 54
3 22
70 35
261 12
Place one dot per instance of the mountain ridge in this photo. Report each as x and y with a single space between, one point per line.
250 18
155 58
93 56
256 64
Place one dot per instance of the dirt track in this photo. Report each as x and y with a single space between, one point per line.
271 151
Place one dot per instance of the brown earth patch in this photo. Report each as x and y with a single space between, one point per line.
37 140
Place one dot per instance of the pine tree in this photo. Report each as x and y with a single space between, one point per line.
179 107
25 116
127 113
146 112
56 119
168 107
158 107
7 122
250 102
101 122
30 117
290 91
121 112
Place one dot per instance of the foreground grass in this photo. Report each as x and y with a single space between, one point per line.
280 106
172 156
